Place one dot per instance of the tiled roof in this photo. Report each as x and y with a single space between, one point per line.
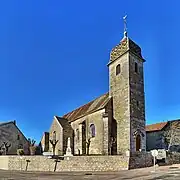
156 127
125 45
97 104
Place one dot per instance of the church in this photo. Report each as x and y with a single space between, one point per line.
113 123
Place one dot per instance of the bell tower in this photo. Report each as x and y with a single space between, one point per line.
126 88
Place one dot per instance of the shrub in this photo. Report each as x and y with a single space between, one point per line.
20 152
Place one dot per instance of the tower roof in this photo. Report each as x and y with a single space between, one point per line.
125 45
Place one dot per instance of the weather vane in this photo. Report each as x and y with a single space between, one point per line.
125 25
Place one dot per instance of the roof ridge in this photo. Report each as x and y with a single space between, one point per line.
156 123
156 126
2 123
85 104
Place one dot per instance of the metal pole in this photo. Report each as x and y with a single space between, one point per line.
154 163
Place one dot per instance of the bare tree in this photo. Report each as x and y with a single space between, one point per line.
5 147
32 147
88 145
172 135
53 143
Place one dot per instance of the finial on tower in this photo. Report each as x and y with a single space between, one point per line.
125 26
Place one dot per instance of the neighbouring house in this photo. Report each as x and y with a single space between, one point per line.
113 123
12 137
164 135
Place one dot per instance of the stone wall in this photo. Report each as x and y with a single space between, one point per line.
140 160
137 103
45 142
96 144
119 90
173 158
4 160
57 128
76 163
11 134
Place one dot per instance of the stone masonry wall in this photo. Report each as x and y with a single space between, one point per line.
137 101
119 90
96 145
140 160
75 163
10 133
59 136
45 142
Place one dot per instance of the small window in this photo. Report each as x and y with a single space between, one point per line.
54 135
18 137
136 67
92 130
118 69
137 103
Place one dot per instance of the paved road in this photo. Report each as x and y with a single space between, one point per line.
162 173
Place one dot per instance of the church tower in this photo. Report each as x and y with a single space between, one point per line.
126 88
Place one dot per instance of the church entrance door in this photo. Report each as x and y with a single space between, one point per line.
138 142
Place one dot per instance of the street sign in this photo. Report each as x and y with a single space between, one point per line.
161 154
154 153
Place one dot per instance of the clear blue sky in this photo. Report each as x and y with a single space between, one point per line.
53 56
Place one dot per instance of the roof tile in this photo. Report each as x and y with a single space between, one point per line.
88 108
156 127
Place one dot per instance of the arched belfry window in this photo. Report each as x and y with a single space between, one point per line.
92 130
118 69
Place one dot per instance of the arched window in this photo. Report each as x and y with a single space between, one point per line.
118 69
92 130
136 67
138 142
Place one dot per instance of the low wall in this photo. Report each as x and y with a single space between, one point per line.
140 160
4 160
75 163
173 158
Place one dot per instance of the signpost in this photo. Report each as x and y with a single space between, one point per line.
154 154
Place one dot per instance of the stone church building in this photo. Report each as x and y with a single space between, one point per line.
113 123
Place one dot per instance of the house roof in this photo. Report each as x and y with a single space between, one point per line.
8 122
62 121
13 122
97 104
156 127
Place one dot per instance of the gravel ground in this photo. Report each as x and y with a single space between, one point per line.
162 173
